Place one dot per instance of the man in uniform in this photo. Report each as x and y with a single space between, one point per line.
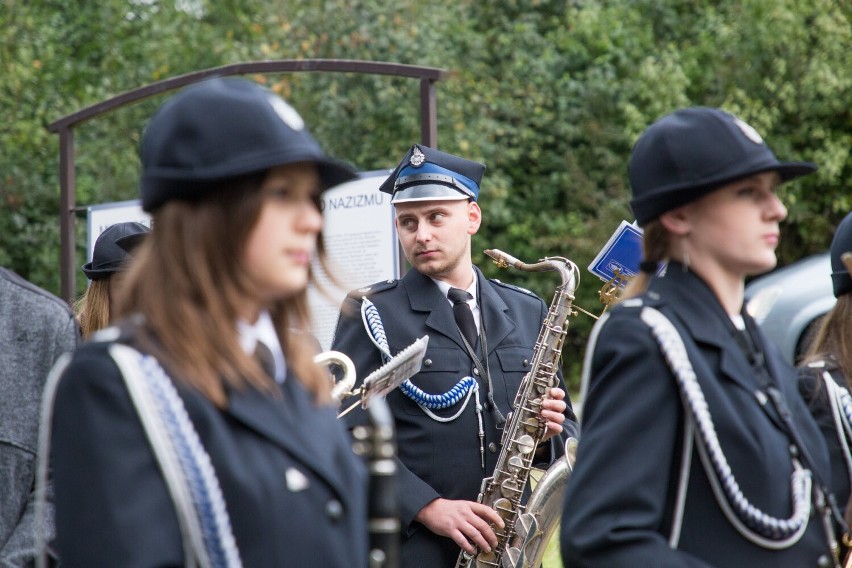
449 417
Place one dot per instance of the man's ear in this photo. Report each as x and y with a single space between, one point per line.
677 221
474 217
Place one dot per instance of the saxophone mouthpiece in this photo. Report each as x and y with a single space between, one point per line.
501 259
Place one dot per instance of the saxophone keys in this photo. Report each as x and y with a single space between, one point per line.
531 424
486 559
515 464
525 443
510 489
504 508
512 558
526 527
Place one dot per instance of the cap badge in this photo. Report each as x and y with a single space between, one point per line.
749 132
417 158
286 113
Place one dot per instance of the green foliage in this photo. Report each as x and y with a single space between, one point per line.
550 94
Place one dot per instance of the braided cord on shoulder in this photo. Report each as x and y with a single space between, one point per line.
195 461
461 390
752 523
840 403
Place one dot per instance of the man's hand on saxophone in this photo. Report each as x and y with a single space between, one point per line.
468 523
553 411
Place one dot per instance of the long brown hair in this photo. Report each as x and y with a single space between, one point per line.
833 338
92 308
188 283
656 241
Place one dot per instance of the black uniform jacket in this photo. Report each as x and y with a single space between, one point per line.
294 490
443 459
814 392
620 498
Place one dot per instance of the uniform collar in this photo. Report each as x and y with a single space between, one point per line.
424 296
444 287
263 331
700 312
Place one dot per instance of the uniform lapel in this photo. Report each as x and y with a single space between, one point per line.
424 296
700 311
494 312
293 424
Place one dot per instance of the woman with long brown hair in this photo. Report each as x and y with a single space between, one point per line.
695 448
110 257
826 369
199 430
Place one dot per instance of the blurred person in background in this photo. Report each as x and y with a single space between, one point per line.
105 272
826 370
251 466
36 328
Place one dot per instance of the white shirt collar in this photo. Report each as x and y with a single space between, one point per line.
263 330
444 287
738 320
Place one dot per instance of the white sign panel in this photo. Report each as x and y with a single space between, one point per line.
361 245
102 216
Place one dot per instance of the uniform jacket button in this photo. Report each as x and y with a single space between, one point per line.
334 509
526 363
476 371
492 447
823 562
427 362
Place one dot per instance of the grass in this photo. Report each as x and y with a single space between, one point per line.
552 558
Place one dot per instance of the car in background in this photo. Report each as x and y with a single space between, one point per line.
787 302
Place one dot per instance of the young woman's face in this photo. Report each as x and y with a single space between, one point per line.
735 228
280 246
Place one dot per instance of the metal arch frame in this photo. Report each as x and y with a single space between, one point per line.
64 126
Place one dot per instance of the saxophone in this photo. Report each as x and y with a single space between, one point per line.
522 541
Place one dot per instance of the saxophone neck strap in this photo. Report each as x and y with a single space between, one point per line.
484 370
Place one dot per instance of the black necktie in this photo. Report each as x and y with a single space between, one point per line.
463 314
264 356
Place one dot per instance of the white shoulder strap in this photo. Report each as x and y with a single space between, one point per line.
163 447
164 451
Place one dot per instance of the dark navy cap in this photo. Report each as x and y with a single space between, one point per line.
426 174
129 242
842 242
220 129
109 256
692 152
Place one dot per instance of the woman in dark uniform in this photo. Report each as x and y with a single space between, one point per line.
216 316
826 370
696 449
106 273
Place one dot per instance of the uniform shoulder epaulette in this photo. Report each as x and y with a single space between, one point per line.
105 335
513 287
631 303
829 364
374 288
